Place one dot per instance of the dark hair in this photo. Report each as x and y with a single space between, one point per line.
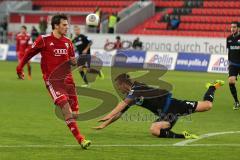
57 19
124 78
24 27
237 23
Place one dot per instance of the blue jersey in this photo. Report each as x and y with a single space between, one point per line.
154 99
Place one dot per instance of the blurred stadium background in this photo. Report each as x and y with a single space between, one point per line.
183 35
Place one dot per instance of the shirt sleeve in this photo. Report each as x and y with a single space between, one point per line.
129 103
86 40
131 96
36 47
71 50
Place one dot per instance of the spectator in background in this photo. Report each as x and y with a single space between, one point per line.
173 23
118 43
112 21
34 33
99 13
43 25
137 44
4 24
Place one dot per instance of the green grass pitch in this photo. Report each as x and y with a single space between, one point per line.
29 129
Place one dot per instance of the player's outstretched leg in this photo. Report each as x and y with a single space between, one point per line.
208 98
83 73
72 125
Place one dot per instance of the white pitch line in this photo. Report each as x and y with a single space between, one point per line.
119 145
186 142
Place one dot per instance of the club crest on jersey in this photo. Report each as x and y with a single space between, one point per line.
67 45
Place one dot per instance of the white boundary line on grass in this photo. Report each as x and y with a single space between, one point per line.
119 145
185 143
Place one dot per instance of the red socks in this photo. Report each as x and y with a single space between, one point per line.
72 125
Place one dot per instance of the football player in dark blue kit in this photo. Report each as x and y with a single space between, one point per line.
159 102
233 46
82 46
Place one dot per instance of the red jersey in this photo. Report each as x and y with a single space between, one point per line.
54 52
22 42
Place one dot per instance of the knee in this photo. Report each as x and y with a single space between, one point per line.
231 80
208 105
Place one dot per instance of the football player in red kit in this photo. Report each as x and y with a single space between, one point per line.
23 40
57 50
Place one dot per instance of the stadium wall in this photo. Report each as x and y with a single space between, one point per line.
182 61
167 43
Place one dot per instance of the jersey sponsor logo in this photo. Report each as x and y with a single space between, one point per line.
78 43
59 52
235 47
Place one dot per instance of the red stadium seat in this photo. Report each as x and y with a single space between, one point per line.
81 5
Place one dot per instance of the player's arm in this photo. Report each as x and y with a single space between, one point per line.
115 114
73 60
89 42
31 51
109 121
119 108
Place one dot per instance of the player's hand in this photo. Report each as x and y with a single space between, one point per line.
73 61
84 51
99 127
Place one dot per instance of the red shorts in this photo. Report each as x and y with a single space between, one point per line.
62 92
